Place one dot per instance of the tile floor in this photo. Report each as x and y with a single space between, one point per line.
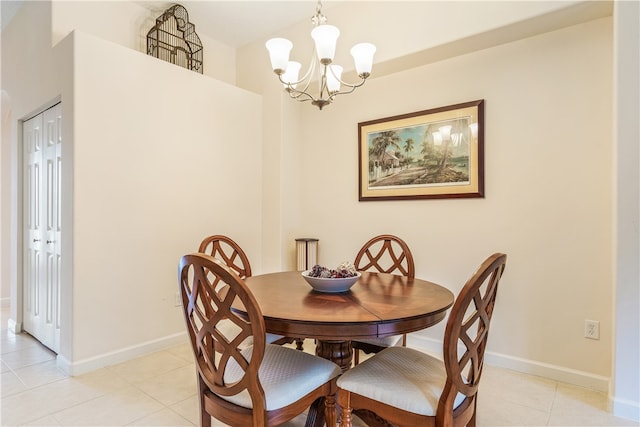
160 390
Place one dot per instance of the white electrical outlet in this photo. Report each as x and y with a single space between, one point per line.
592 329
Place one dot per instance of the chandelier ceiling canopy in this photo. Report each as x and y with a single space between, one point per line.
329 75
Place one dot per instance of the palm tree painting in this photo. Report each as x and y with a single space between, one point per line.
437 153
430 154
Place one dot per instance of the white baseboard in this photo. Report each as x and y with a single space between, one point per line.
626 409
90 364
557 373
13 326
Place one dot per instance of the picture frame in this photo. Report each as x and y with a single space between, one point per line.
430 154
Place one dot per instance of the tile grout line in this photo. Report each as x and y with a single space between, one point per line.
553 402
137 387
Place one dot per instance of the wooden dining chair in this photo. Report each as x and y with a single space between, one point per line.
228 251
406 387
385 254
245 385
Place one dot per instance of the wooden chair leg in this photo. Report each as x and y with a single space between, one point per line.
330 410
472 421
205 418
345 417
356 356
299 344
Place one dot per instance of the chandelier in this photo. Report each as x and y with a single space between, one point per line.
329 75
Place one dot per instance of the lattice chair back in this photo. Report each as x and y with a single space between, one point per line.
465 337
386 254
229 252
254 385
222 367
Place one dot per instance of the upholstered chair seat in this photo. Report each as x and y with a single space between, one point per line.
297 372
413 380
227 328
382 342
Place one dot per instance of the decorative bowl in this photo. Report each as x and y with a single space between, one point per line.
331 285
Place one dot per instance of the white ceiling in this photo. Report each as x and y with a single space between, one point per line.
232 22
236 23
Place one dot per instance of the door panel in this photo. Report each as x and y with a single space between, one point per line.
43 139
32 137
52 149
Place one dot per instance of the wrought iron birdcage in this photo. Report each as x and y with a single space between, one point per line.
174 39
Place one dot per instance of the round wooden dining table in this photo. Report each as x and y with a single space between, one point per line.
377 305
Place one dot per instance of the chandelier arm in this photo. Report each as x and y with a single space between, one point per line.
296 94
307 75
322 83
303 95
352 87
293 92
310 70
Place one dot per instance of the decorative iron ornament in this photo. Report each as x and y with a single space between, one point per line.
174 39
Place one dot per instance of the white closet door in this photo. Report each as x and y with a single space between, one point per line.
32 155
42 141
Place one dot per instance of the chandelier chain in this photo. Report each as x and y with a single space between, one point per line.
318 18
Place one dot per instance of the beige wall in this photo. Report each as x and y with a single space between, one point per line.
5 180
127 24
411 34
548 188
159 164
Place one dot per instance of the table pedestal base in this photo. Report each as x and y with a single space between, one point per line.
339 352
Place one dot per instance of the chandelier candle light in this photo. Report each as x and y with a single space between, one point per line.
329 75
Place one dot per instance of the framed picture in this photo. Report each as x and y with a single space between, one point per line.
431 154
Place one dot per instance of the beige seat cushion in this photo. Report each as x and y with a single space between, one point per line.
383 342
286 375
271 338
230 329
401 377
